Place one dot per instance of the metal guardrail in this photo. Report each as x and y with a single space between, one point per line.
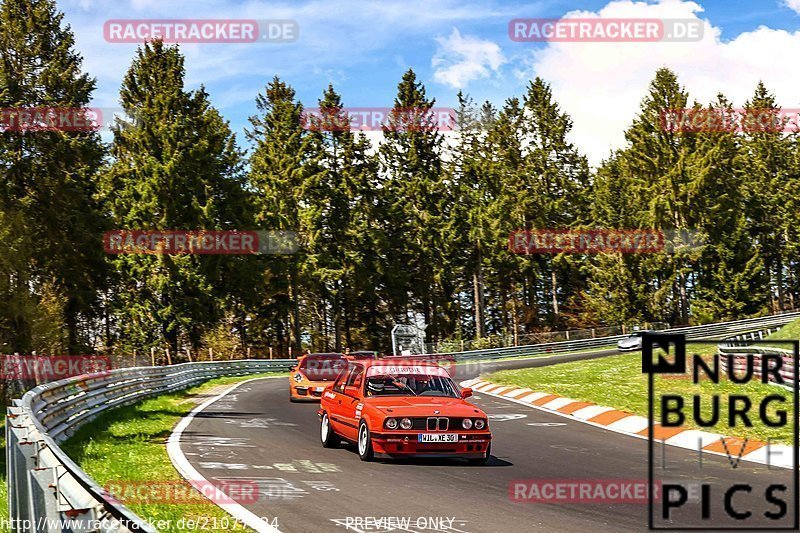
739 356
721 330
47 491
738 349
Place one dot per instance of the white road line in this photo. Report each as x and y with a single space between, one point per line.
197 480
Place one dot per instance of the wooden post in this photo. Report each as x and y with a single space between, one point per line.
270 352
189 354
134 357
169 358
211 353
152 356
248 352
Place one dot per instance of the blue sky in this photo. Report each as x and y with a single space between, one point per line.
364 47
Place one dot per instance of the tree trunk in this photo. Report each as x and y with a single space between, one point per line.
554 289
684 303
295 299
779 279
477 286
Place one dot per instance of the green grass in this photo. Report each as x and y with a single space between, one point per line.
3 483
618 381
129 445
790 331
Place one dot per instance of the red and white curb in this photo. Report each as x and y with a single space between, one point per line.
778 455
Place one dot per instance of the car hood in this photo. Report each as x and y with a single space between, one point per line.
630 341
424 406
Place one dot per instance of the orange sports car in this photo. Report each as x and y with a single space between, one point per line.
403 408
312 373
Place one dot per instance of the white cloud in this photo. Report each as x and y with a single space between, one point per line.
794 5
460 60
602 84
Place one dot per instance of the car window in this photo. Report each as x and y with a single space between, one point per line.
411 385
338 386
355 377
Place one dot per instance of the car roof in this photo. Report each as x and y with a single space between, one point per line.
329 354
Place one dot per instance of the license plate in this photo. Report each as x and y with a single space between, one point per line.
437 437
319 389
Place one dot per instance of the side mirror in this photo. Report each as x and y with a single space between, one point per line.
466 392
351 391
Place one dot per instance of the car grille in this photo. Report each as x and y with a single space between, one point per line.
437 423
421 424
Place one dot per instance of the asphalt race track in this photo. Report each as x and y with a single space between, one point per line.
256 435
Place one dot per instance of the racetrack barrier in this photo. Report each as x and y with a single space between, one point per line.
48 492
738 350
719 330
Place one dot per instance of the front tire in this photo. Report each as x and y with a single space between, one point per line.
328 437
365 451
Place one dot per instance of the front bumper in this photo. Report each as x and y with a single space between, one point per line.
311 393
628 348
402 444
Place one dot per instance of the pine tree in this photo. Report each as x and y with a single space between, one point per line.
338 208
416 197
49 185
175 167
467 225
768 158
282 172
557 180
730 275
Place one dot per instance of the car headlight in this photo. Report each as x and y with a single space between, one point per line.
466 423
480 423
405 423
298 378
391 423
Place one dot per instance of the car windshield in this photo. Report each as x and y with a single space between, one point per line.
411 385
